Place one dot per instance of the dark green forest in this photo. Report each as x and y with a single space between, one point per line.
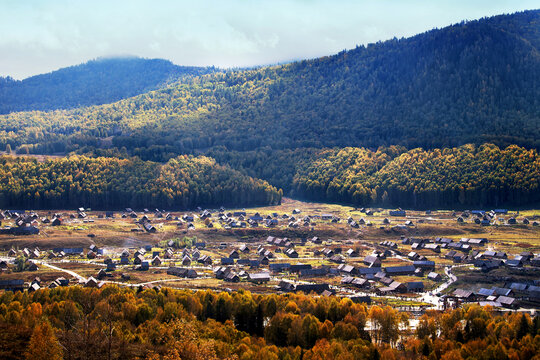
472 82
464 177
95 82
312 128
110 183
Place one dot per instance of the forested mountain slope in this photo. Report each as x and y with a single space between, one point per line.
93 83
463 177
472 82
110 183
467 176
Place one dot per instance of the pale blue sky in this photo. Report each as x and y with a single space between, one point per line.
38 36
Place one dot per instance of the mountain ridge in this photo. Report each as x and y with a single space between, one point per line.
475 83
95 82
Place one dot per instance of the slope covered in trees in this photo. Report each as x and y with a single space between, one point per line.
110 183
93 83
472 82
464 176
476 82
122 323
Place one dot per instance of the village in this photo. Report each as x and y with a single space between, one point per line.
411 259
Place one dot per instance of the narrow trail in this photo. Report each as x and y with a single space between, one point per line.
72 273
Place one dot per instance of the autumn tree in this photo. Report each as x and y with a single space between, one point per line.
43 344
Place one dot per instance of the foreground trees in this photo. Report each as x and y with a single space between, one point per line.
121 323
43 344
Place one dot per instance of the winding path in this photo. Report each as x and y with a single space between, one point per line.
72 273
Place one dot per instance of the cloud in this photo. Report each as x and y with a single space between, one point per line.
40 36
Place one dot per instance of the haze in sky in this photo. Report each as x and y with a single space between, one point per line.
40 36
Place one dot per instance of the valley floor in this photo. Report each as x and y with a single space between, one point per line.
418 260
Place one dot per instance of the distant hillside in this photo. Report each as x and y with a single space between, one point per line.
93 83
473 83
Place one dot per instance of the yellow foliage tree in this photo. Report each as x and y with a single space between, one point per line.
43 344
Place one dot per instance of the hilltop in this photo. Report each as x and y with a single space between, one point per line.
472 82
95 82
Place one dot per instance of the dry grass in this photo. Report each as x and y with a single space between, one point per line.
116 234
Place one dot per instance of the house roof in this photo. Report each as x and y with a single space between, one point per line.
260 276
371 259
506 300
424 263
461 293
286 286
514 263
366 271
502 291
347 268
399 269
227 260
518 286
307 288
486 292
314 272
415 285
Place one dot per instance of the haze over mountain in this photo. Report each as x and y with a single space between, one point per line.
475 82
95 82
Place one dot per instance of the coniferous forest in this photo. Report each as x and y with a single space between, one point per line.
110 183
467 176
464 176
375 107
95 82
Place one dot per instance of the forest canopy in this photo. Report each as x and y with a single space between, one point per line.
95 82
112 183
119 323
464 176
473 82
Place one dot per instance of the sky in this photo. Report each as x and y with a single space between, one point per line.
39 36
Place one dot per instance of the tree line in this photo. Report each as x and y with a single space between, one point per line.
466 176
124 323
111 183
